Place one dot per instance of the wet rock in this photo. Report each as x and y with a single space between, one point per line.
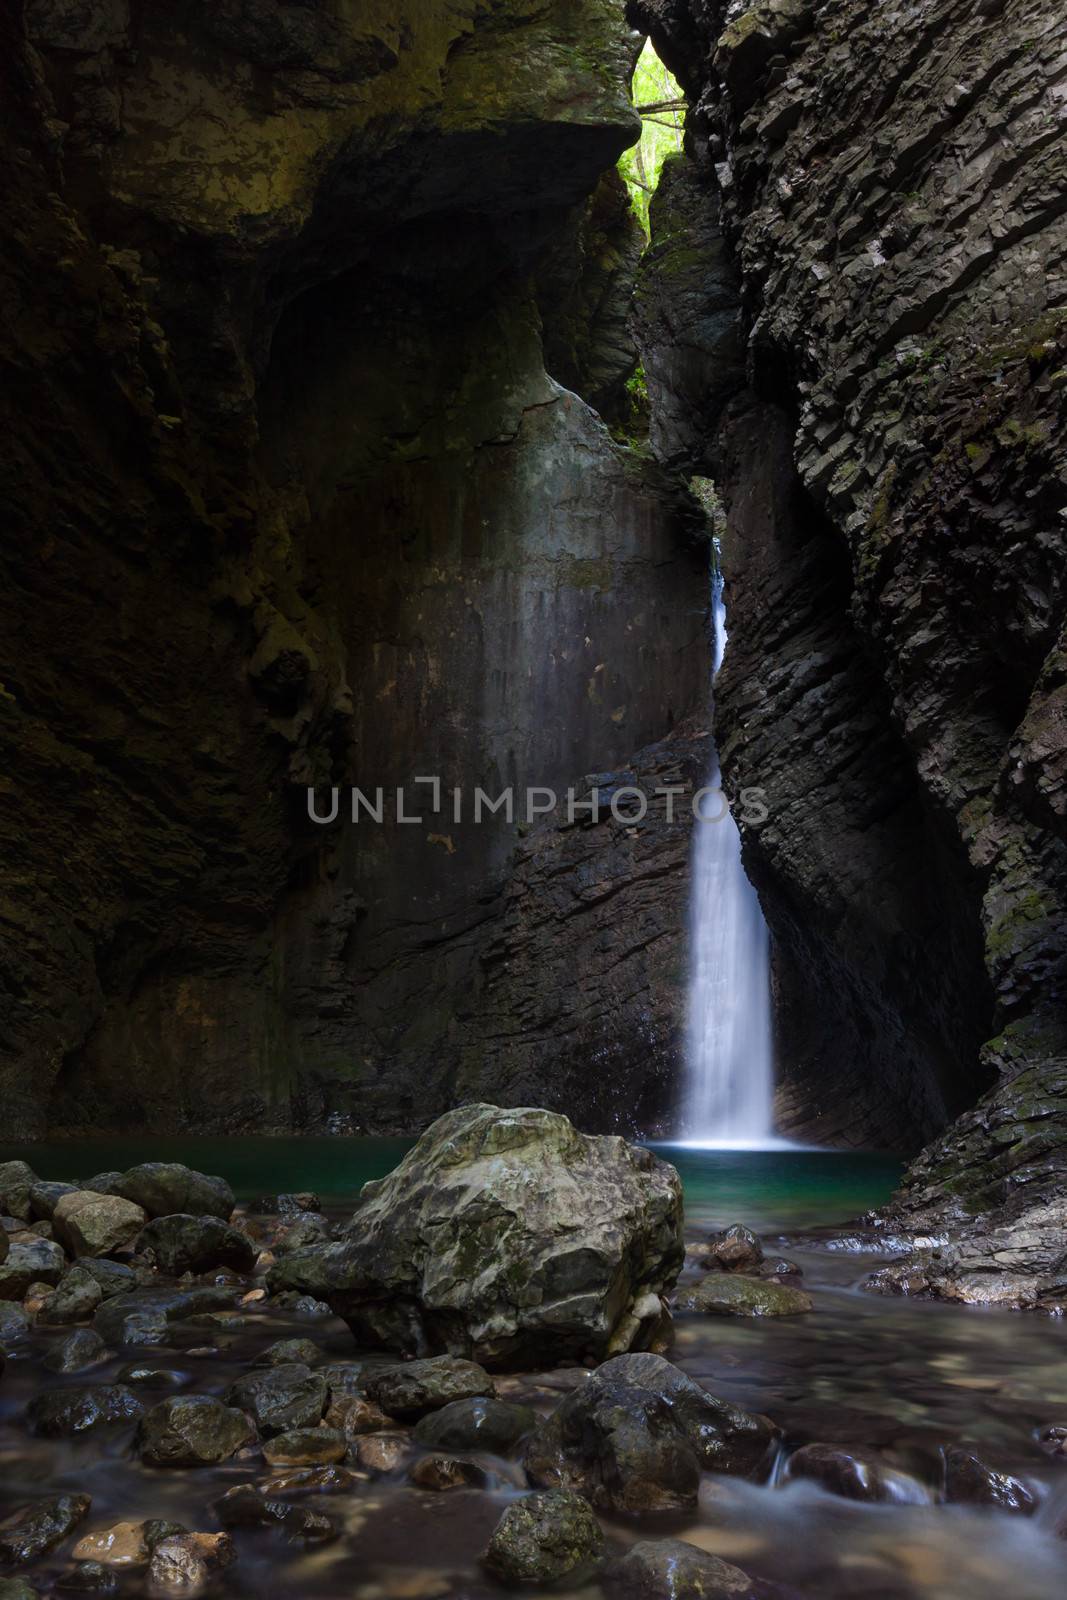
14 1323
620 1446
355 1415
779 1267
156 1529
544 1539
380 1453
441 1472
670 1569
732 1295
45 1196
16 1181
303 1231
41 1527
36 1298
167 1188
736 1249
1053 1439
61 1413
90 1224
144 1316
245 1506
306 1447
88 1577
280 1398
29 1262
148 1378
122 1545
480 1423
180 1243
723 1437
102 1182
312 1480
17 1589
286 1351
192 1431
969 1481
75 1300
114 1277
80 1349
409 1391
853 1473
185 1563
529 1172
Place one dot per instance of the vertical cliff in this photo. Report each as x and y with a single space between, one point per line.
890 183
294 500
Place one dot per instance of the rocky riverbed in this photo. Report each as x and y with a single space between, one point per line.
181 1415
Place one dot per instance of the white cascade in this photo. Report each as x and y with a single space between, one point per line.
729 1089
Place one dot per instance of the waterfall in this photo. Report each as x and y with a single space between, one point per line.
729 1055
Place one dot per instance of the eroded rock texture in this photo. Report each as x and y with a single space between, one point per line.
891 185
293 501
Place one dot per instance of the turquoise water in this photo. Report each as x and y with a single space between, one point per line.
765 1188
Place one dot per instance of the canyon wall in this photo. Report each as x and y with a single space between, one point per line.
293 500
891 186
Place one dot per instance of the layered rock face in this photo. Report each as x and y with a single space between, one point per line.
891 186
295 502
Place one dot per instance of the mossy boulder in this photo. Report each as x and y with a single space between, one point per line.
544 1539
507 1237
723 1294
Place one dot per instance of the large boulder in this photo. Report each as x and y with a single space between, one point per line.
182 1243
91 1224
509 1237
163 1188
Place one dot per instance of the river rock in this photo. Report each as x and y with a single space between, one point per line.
180 1243
736 1249
14 1323
443 1472
28 1262
185 1562
76 1298
90 1224
17 1589
732 1295
354 1414
286 1205
44 1198
60 1413
166 1188
306 1447
80 1349
192 1431
480 1423
409 1391
285 1351
670 1569
471 1245
280 1398
245 1506
16 1181
544 1539
854 1474
88 1577
380 1453
40 1527
304 1230
122 1545
724 1437
969 1481
144 1316
114 1277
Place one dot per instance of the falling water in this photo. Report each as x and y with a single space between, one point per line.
729 1057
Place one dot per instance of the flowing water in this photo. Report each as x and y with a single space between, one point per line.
729 1054
904 1378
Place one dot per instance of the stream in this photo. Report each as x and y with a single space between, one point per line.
904 1378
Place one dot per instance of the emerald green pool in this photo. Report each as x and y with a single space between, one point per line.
765 1188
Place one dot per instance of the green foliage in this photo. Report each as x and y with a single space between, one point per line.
662 127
